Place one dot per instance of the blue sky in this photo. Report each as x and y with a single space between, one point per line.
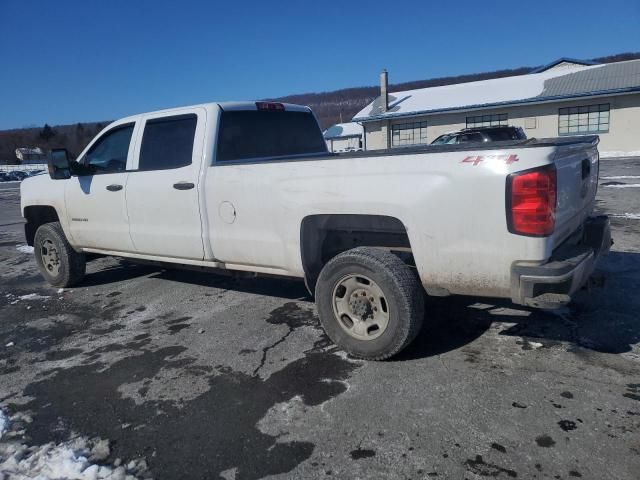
70 61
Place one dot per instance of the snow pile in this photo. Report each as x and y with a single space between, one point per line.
76 459
66 460
24 248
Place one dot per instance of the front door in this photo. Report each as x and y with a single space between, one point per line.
163 190
95 200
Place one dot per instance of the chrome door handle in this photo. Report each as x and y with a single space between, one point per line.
114 187
183 186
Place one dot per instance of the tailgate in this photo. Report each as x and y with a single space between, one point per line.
577 168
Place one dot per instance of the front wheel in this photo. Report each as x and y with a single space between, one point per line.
58 262
370 303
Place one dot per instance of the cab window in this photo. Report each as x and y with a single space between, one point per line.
109 153
470 138
167 142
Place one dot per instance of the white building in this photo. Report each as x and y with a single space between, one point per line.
566 97
343 137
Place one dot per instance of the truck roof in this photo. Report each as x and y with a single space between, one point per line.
240 105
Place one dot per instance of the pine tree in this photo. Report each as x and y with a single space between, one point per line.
47 133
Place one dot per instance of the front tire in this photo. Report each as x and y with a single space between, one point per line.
57 261
370 303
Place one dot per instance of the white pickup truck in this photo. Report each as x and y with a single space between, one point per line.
251 187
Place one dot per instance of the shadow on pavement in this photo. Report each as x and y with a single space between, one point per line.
119 272
601 319
270 286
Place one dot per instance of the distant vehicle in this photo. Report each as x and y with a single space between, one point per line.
15 176
4 177
251 187
480 134
20 174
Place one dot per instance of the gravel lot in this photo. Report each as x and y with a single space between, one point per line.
192 375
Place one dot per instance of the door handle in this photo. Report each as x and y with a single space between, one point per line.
114 187
183 186
586 168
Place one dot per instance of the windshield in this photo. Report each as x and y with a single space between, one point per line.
445 139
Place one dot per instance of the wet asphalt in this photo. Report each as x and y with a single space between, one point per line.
207 376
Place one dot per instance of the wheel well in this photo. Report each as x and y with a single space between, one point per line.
322 237
36 216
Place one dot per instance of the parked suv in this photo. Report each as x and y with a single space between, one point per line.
480 134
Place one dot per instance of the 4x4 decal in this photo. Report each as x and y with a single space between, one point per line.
477 159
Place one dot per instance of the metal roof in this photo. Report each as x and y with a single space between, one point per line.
546 67
612 78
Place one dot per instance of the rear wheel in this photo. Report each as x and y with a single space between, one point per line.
58 262
370 303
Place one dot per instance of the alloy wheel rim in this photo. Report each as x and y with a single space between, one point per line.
360 307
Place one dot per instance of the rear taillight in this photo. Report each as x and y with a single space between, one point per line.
531 202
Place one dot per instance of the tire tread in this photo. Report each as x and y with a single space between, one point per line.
407 283
74 262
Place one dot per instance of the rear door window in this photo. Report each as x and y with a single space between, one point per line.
255 134
167 142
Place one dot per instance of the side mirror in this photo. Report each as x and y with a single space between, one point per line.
59 164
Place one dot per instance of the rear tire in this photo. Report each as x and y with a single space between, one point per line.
370 303
58 262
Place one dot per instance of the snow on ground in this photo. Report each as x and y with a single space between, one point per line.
631 216
624 185
24 248
619 177
4 423
13 299
33 296
617 154
77 459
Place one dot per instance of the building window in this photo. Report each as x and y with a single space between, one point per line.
408 134
585 119
487 120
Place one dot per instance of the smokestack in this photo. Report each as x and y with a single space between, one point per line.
384 89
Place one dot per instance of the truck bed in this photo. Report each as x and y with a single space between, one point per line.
424 149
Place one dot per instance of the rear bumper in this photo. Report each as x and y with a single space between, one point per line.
568 269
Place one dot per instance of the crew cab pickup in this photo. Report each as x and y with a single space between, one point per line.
251 187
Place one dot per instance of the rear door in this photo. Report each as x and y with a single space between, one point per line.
163 189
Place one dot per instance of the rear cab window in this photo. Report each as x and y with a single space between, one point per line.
251 135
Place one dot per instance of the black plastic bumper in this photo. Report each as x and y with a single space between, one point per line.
568 269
